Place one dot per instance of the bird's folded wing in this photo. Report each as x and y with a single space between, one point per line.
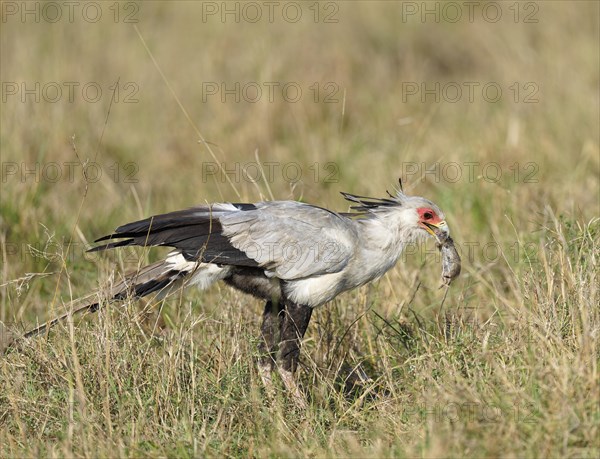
292 240
289 239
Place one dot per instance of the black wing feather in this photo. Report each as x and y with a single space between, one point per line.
197 232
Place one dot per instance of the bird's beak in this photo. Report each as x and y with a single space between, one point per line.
440 230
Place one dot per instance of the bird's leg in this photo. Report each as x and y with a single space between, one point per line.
267 347
295 322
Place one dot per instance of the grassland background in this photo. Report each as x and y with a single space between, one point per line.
507 366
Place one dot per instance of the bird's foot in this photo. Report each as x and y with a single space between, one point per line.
292 388
265 370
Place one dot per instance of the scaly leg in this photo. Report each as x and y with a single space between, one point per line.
271 324
295 322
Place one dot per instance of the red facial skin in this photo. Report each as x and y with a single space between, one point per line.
429 216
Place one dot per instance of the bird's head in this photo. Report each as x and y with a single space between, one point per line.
429 218
415 217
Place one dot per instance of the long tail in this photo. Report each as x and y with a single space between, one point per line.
91 307
157 277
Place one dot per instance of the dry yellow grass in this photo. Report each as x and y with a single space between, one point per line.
507 366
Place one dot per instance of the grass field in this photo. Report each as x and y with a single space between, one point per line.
496 122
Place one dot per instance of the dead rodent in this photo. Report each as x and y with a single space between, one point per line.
450 260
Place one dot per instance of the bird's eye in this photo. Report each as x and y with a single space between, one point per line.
427 215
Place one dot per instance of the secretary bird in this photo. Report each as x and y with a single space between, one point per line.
292 255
